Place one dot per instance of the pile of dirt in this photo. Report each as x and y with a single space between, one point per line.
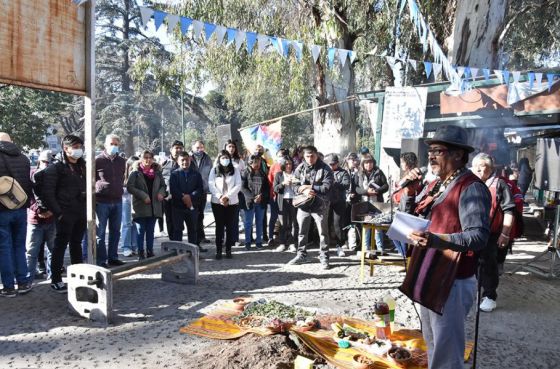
250 352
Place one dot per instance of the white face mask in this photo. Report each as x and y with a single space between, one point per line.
224 162
77 153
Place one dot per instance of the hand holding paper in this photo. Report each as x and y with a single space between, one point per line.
404 225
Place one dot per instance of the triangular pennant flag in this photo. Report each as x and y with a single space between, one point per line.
412 63
315 51
185 23
516 75
220 34
209 29
330 56
352 56
549 79
403 3
428 68
158 18
342 55
231 33
172 21
538 77
460 71
251 40
146 14
499 74
276 45
391 60
437 70
239 38
297 45
531 76
262 42
474 73
197 29
467 73
506 77
285 44
486 73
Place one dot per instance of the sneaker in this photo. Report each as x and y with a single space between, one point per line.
8 292
324 263
24 288
340 252
487 305
247 246
259 246
59 287
292 248
115 262
280 248
500 269
127 252
299 259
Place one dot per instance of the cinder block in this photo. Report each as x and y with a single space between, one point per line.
185 272
90 292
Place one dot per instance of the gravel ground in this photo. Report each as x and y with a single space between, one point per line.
36 330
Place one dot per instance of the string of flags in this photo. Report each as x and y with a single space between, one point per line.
459 76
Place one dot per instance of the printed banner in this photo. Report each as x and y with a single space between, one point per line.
269 136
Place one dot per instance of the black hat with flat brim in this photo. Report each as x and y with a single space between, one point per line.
451 136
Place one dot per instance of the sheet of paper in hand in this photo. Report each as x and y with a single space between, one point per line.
403 225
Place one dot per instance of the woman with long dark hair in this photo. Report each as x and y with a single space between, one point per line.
224 184
239 164
284 188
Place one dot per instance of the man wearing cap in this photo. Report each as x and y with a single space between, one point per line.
13 225
168 166
442 266
337 210
109 179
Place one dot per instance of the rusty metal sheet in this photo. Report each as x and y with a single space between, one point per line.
484 98
42 44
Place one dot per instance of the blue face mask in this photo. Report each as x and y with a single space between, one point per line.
114 150
224 162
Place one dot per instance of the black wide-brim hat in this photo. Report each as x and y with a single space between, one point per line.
451 136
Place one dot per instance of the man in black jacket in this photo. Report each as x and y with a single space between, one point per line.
337 210
13 222
186 188
315 179
167 167
202 163
64 194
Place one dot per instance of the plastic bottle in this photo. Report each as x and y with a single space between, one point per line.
390 301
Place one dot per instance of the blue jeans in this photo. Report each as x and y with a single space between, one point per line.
128 230
108 214
37 235
445 334
401 247
145 227
13 227
378 239
256 213
273 218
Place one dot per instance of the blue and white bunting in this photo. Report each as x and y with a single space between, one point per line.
185 24
538 77
285 45
146 15
460 71
506 77
251 40
428 68
298 48
220 34
315 52
486 73
231 33
158 18
352 56
516 76
342 55
197 29
474 73
330 56
172 21
262 42
531 76
498 73
549 79
412 64
437 70
276 44
209 29
239 38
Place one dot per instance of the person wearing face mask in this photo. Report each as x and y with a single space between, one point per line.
41 226
202 163
109 179
169 165
64 195
224 184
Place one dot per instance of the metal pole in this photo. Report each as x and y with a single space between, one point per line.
161 129
89 124
182 96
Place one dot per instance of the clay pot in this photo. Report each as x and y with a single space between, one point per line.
356 364
404 360
240 303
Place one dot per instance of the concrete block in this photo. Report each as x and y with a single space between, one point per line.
185 272
90 292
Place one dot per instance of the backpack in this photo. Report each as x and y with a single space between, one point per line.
12 195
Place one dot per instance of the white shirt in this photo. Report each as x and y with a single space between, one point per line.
231 188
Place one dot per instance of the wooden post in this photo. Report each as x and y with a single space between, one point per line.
89 124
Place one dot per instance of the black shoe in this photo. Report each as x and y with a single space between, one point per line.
202 249
205 240
218 256
141 255
116 262
229 255
8 292
24 288
259 246
104 265
299 259
149 254
59 287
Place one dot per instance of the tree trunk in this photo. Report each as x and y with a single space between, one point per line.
477 26
334 127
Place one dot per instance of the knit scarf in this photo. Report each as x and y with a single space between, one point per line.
148 171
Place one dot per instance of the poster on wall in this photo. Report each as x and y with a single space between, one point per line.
403 115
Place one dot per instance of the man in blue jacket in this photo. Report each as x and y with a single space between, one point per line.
186 188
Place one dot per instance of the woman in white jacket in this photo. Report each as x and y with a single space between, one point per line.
224 184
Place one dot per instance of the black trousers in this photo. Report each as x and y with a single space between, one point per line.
200 218
188 217
70 230
225 217
288 218
502 253
168 217
489 277
337 221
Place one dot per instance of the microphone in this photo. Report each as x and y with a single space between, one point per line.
405 182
